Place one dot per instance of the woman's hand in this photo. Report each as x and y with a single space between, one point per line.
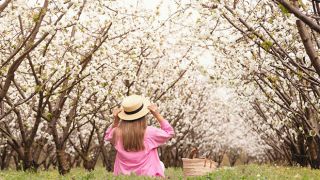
153 108
155 112
115 113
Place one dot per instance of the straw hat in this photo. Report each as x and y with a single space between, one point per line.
134 107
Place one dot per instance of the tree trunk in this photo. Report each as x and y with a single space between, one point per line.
317 140
232 159
313 153
28 162
109 157
5 158
78 162
17 162
63 161
218 157
300 155
89 165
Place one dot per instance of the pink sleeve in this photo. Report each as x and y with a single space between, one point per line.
160 136
109 133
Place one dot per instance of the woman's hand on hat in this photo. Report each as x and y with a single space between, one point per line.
153 108
116 111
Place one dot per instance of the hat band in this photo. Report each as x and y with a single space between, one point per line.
135 111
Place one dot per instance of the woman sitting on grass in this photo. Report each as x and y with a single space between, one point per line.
135 142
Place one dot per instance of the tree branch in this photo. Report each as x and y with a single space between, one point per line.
4 5
313 25
308 45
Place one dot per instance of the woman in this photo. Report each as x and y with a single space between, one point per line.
135 142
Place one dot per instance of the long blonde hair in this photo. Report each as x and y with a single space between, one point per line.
132 134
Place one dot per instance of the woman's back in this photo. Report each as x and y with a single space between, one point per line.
135 142
143 162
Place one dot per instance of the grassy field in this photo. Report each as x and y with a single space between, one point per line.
263 172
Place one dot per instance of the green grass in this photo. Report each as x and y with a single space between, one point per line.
249 172
78 174
265 172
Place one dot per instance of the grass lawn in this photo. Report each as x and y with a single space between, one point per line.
265 172
239 172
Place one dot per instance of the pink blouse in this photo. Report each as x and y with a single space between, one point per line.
145 162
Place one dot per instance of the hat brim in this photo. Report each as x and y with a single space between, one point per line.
130 117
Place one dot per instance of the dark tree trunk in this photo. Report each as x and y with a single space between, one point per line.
109 158
299 155
78 161
89 165
28 162
232 159
313 153
63 161
17 163
317 140
218 157
5 158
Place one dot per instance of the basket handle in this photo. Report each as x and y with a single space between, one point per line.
193 153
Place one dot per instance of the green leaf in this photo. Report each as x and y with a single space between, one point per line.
300 74
266 45
2 72
68 69
104 84
284 10
48 116
271 19
302 4
36 17
273 79
38 88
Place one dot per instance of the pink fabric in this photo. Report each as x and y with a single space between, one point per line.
146 162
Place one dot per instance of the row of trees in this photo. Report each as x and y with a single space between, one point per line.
232 77
66 64
274 59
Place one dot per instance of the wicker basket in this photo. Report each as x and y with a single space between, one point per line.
197 167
